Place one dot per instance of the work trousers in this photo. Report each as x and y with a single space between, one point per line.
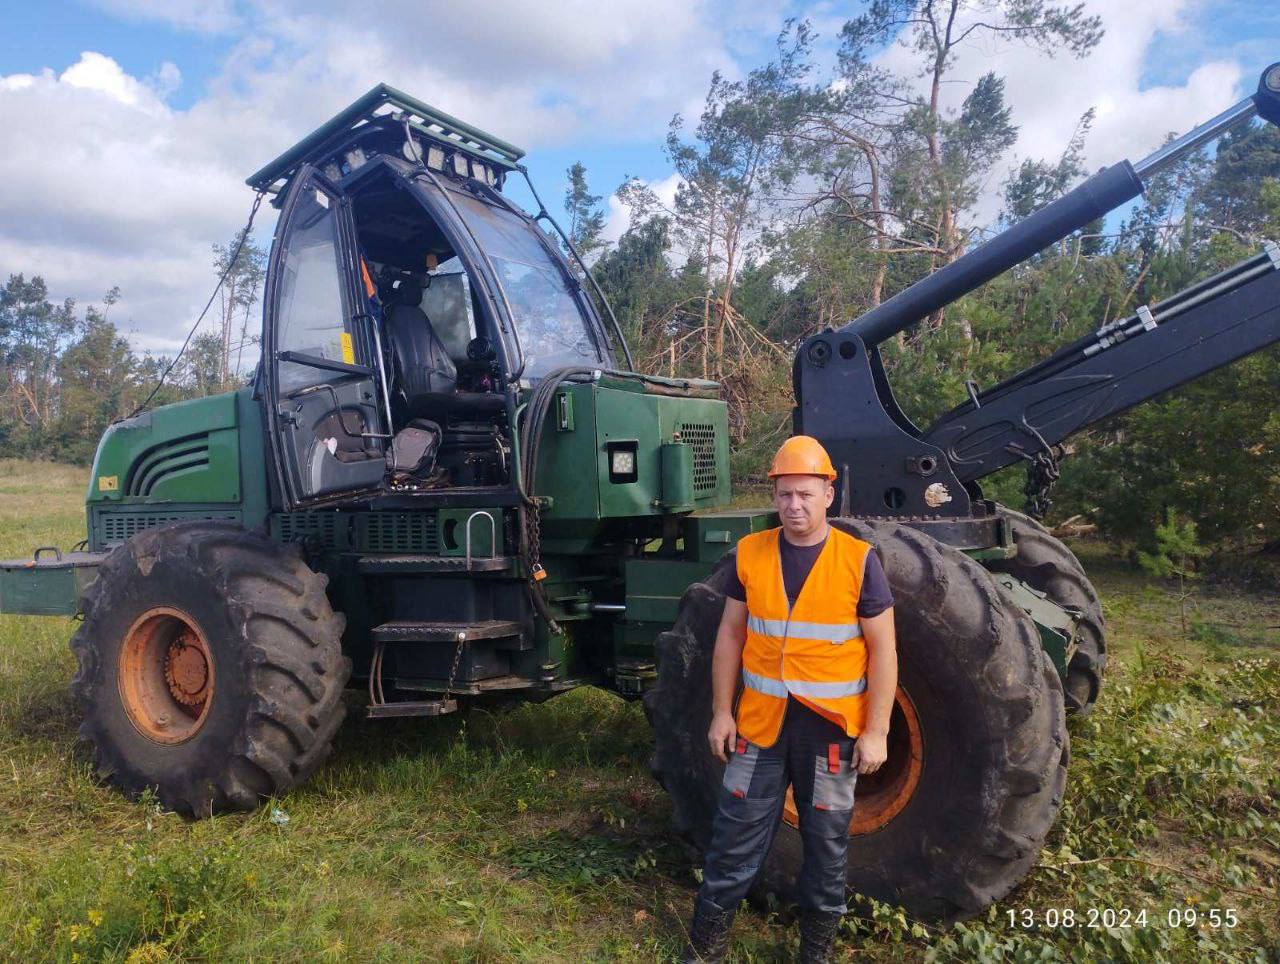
815 757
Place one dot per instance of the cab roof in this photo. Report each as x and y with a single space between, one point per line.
451 143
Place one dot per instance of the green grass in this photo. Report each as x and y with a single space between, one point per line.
539 835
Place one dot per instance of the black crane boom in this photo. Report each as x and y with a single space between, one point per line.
888 467
1220 320
1099 195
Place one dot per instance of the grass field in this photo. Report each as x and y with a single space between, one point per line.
539 835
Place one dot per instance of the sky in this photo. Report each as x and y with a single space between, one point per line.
130 125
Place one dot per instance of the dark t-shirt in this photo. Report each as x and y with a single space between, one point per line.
797 563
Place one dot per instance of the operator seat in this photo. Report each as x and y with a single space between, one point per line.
424 377
422 370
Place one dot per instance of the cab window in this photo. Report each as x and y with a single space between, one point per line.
447 302
554 332
310 318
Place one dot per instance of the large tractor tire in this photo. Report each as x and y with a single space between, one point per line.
1045 563
978 743
210 668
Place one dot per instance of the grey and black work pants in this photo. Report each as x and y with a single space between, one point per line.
815 757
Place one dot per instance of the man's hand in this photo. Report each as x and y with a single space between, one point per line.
722 735
882 681
870 752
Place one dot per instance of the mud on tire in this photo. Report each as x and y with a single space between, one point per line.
1045 563
277 678
992 724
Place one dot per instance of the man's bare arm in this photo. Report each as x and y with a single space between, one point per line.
726 669
882 682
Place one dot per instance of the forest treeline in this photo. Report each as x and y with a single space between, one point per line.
810 192
66 375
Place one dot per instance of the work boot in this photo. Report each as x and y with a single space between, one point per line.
708 933
817 934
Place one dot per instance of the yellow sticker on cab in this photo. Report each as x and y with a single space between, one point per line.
348 349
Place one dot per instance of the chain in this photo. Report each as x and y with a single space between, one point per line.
1043 470
457 659
535 534
533 546
533 540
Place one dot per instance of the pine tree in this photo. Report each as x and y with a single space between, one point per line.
586 217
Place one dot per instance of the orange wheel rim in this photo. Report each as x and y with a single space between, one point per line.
881 795
166 676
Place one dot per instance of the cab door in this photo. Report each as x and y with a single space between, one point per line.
327 431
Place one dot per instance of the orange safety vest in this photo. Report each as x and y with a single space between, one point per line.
813 650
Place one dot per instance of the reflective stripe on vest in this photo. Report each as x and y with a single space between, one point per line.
809 688
831 632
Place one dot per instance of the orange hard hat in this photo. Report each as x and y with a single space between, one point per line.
802 455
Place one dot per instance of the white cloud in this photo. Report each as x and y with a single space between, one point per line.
95 72
17 81
533 73
618 217
109 186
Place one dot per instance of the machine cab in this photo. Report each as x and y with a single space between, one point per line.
408 303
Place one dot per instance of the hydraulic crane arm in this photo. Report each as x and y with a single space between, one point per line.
1100 194
888 467
1120 365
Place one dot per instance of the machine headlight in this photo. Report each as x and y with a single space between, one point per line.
624 463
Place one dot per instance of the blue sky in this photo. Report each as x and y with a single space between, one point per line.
169 104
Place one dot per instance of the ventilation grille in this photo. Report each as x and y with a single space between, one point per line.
701 437
163 461
116 527
400 532
321 527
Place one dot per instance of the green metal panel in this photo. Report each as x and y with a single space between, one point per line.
453 525
656 583
185 452
48 586
254 497
198 459
187 478
573 461
626 416
1056 625
654 587
677 476
38 592
709 535
704 427
567 462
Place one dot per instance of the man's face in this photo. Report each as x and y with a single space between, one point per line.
802 501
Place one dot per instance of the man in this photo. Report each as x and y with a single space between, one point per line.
808 629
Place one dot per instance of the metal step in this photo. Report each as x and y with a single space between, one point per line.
493 684
382 711
405 631
446 565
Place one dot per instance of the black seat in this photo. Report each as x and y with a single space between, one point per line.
422 370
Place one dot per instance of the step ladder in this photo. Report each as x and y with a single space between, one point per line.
456 633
